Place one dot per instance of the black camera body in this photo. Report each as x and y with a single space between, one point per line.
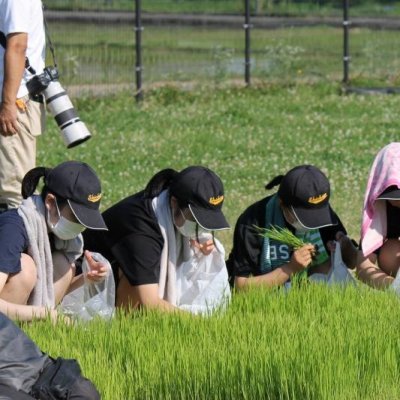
39 83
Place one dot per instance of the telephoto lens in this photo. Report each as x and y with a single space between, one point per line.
73 130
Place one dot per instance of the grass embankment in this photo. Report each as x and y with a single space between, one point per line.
315 343
247 135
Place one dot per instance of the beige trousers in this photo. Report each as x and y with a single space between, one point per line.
18 152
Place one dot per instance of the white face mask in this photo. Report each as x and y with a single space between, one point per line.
64 229
299 227
189 228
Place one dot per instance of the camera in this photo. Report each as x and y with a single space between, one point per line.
73 130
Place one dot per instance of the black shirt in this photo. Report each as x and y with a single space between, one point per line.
133 241
393 224
245 257
393 221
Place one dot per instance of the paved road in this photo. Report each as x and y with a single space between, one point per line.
222 21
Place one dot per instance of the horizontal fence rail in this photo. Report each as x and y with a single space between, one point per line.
194 42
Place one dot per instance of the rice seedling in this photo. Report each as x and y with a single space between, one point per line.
283 235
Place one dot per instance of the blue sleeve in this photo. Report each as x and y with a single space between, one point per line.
13 241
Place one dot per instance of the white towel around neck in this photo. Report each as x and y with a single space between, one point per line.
176 248
32 212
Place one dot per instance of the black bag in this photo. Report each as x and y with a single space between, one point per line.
56 380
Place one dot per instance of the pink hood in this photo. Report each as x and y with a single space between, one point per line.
385 172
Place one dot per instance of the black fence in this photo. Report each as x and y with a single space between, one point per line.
220 41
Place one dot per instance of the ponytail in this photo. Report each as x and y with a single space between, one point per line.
159 182
31 180
274 182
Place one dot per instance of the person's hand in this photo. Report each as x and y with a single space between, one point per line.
349 250
98 270
8 119
205 247
302 257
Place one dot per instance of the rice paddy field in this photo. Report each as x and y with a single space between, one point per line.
313 342
260 7
100 54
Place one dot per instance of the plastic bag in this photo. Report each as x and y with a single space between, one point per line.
202 282
396 283
92 299
338 274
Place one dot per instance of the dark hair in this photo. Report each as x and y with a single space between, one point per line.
159 182
31 181
274 182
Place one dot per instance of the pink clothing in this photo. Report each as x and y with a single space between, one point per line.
385 172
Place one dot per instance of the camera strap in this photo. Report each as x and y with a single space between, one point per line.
50 43
3 40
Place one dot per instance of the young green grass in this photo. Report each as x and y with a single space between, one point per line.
312 342
283 235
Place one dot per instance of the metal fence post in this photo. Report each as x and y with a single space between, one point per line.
346 28
247 26
138 45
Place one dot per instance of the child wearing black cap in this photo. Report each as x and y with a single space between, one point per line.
151 234
41 240
379 259
301 205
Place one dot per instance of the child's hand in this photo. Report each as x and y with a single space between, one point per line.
98 270
205 247
302 258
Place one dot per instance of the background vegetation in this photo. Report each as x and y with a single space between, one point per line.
100 54
258 7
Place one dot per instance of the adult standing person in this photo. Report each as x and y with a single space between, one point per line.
22 54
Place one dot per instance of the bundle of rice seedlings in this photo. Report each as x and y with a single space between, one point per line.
282 235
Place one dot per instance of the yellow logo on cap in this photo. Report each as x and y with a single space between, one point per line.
216 200
94 198
318 199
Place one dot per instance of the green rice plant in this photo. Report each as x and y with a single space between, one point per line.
283 235
313 342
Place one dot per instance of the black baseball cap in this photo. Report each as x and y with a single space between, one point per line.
203 191
391 193
78 183
306 190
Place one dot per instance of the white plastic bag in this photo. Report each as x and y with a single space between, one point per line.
202 282
338 274
396 283
92 299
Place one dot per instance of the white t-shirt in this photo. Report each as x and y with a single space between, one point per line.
25 16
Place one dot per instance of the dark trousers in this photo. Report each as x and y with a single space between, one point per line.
82 389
